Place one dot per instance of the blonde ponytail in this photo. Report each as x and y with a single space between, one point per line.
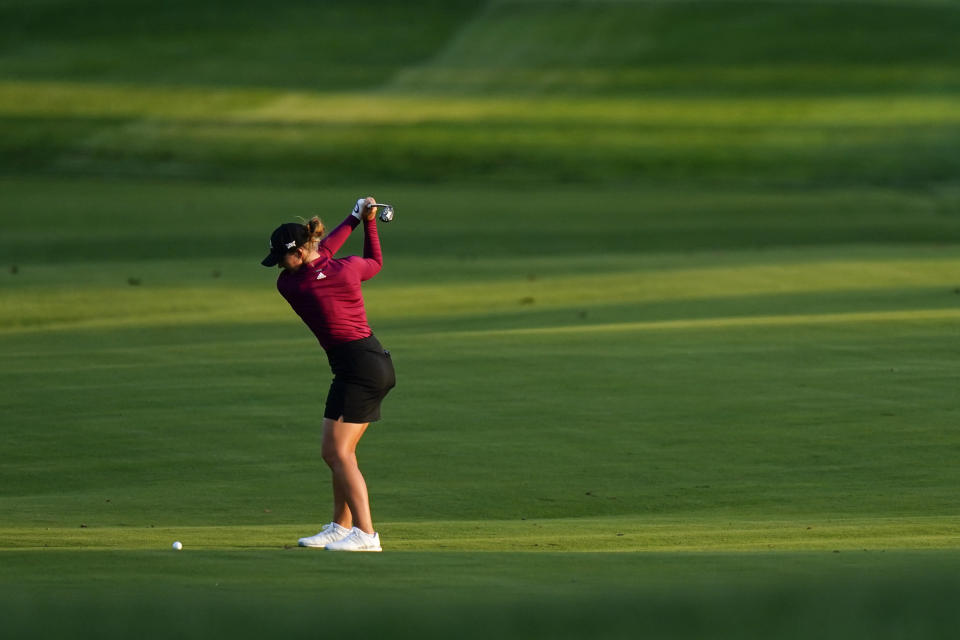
315 230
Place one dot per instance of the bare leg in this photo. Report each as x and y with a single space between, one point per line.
341 512
340 453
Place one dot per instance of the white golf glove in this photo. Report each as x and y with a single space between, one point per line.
358 208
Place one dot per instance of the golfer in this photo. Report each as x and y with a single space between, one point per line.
325 293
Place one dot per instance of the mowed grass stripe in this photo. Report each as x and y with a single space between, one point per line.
52 307
697 47
624 534
924 315
819 140
196 106
180 319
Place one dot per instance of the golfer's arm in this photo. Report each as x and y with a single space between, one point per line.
339 235
371 242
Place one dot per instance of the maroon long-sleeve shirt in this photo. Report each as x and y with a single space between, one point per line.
325 293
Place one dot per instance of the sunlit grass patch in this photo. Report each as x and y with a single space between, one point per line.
211 132
622 534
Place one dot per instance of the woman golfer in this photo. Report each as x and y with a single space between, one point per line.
325 293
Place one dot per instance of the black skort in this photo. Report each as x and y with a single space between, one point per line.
362 377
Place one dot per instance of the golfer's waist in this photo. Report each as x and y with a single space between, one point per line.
368 342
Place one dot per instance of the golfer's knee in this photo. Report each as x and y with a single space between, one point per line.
337 458
331 457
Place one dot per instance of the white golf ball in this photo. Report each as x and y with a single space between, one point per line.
177 545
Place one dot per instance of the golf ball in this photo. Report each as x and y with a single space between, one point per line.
177 545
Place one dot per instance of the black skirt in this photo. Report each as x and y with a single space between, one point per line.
362 377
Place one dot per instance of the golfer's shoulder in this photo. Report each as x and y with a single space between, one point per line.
283 281
349 262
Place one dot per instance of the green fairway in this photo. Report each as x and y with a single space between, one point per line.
737 424
255 593
800 93
251 594
672 292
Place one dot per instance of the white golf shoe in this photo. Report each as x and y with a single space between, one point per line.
357 541
330 533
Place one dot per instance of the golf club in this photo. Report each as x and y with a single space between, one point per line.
386 211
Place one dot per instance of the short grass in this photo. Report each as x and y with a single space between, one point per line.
408 595
756 432
799 93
